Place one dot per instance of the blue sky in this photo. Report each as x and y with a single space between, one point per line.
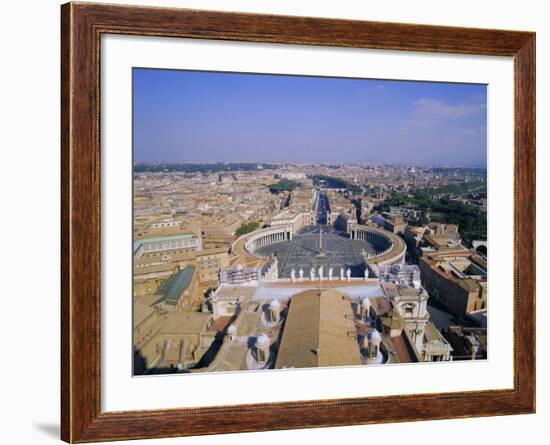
184 116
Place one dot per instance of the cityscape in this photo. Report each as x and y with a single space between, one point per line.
250 262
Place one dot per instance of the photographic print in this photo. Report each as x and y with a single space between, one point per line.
287 221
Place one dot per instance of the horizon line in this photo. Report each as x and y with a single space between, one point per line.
435 164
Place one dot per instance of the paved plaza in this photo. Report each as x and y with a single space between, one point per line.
304 252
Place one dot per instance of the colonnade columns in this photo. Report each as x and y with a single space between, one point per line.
268 239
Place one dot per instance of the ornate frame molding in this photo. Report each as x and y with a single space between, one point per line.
82 25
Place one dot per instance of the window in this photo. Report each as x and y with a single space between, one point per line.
374 350
409 309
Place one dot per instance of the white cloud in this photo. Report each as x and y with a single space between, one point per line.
469 132
477 131
435 110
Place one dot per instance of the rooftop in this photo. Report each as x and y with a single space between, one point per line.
235 291
141 312
186 322
403 349
319 331
140 242
171 290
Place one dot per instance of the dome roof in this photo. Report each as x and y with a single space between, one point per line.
374 336
274 304
379 359
262 341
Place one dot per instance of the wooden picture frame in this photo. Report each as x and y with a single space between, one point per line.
82 25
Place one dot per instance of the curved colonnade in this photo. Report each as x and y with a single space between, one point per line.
246 245
265 237
390 247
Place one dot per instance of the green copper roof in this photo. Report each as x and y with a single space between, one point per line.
140 242
170 291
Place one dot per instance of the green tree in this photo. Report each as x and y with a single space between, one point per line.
284 185
247 228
